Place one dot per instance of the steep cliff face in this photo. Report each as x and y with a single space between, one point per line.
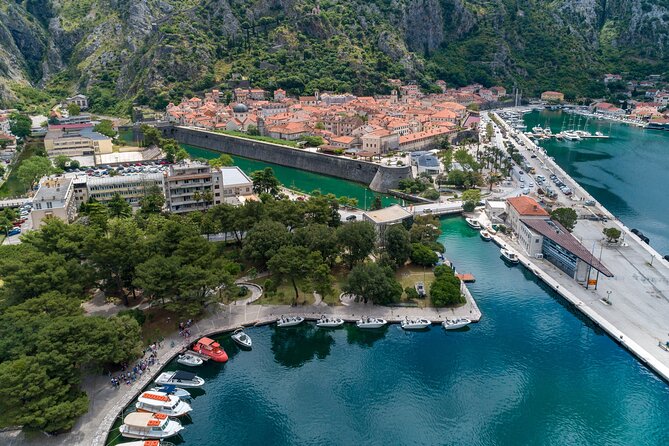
156 50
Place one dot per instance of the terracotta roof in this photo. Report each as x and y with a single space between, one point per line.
527 207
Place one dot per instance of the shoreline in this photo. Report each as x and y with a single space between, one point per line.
227 318
641 353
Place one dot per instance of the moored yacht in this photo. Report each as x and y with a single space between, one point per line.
509 255
172 390
370 322
289 321
329 322
209 347
485 235
189 360
159 402
147 426
473 223
241 338
180 378
454 324
415 324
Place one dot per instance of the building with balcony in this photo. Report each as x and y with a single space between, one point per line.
189 186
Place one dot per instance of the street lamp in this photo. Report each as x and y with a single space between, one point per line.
608 296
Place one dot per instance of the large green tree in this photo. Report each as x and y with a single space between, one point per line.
566 217
264 240
34 168
356 241
294 263
371 282
19 125
118 207
265 182
397 244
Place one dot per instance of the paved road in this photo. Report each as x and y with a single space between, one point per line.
639 290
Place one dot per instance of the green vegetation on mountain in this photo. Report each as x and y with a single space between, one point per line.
152 52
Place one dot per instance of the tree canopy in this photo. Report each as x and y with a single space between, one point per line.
566 217
371 282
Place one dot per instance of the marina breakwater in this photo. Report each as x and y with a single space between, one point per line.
379 178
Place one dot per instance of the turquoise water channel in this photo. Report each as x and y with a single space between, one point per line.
532 372
627 173
302 180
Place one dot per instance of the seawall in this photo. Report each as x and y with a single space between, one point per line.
379 178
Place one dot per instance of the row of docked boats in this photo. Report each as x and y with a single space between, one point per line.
158 409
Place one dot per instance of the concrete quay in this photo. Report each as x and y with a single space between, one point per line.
638 314
107 404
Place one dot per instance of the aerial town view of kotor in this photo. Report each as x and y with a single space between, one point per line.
334 222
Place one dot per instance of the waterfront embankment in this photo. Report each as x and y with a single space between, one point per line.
633 305
107 403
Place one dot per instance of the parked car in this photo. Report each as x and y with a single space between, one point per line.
14 231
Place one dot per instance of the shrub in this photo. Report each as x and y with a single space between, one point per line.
134 313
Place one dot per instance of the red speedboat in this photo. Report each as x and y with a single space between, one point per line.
211 348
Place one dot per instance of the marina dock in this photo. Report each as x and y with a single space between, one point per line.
633 305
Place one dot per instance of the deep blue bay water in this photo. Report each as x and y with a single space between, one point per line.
532 372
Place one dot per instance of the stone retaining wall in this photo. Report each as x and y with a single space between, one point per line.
379 178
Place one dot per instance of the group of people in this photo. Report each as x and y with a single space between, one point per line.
129 376
184 328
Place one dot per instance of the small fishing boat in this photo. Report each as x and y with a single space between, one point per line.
326 322
289 321
370 322
189 360
455 323
148 426
209 347
415 324
474 224
172 390
509 256
485 235
241 338
159 402
180 378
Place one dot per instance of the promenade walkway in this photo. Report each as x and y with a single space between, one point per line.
107 403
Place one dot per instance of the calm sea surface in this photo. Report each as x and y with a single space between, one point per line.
532 372
627 173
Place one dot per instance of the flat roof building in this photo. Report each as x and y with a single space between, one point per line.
54 198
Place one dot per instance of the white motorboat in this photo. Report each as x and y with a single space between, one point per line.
159 402
370 322
328 322
171 390
289 321
180 379
189 360
474 224
485 235
241 338
455 323
149 426
509 255
415 324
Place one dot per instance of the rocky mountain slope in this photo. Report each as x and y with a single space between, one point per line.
153 51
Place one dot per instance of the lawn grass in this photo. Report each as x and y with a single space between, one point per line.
409 275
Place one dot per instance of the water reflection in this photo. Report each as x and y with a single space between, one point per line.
294 346
364 338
